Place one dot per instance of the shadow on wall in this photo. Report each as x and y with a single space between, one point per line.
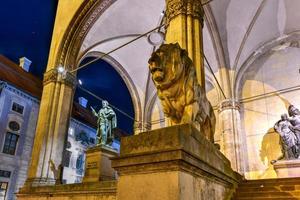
270 150
286 102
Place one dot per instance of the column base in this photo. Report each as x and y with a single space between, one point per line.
37 182
98 164
173 163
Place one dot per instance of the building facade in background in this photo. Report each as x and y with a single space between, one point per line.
20 94
18 118
80 137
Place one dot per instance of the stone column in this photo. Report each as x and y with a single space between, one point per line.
185 22
230 127
55 108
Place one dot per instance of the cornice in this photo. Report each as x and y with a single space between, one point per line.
186 7
18 92
80 25
54 76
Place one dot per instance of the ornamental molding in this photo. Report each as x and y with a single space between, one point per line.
185 7
69 79
19 92
54 76
50 76
229 104
80 25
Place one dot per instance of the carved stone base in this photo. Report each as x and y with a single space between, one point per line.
98 164
173 163
287 168
39 182
105 190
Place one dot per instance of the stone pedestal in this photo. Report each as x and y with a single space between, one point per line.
287 168
98 183
98 164
173 163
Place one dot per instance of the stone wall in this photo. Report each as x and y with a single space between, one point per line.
87 191
268 87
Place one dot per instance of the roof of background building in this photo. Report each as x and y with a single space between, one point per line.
84 115
14 74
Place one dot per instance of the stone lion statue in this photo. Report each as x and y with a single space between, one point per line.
182 98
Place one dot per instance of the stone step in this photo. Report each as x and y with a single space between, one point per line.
287 188
267 198
273 184
270 188
273 181
268 194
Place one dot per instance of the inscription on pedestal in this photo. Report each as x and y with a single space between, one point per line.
91 165
98 164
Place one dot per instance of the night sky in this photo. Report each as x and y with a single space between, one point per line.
26 30
100 78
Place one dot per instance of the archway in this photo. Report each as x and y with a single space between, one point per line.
101 79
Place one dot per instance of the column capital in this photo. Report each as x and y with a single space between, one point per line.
185 7
50 76
64 77
229 104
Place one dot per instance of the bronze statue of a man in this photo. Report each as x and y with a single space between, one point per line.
107 120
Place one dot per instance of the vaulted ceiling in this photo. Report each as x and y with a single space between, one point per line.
242 26
234 31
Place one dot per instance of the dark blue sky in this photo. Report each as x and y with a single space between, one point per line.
26 30
100 78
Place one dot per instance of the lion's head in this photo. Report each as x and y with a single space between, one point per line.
167 64
182 98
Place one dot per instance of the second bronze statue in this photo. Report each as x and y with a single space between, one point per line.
107 120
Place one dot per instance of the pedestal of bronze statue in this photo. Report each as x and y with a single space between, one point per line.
287 168
173 163
98 164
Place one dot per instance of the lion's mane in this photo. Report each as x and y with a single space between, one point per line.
182 98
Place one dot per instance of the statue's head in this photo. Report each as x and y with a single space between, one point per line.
293 111
167 63
284 117
104 103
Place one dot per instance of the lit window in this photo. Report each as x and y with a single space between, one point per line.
79 162
17 108
79 165
3 189
71 131
10 143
